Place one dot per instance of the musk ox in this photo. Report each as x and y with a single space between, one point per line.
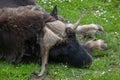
36 40
31 3
61 41
17 25
21 25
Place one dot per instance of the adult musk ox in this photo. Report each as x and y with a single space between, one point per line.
19 25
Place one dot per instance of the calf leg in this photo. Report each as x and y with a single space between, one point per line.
44 63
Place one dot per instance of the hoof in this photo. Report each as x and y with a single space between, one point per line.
37 74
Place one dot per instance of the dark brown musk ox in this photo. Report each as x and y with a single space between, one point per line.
31 47
19 25
16 26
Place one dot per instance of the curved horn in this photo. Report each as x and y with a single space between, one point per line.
76 24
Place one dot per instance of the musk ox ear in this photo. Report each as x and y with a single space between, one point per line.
54 12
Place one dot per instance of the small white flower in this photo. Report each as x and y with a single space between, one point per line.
112 16
56 72
103 73
97 11
49 2
81 0
109 69
116 33
109 0
106 20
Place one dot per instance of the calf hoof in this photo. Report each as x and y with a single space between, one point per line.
35 77
37 74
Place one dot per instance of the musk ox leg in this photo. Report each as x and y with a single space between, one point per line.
19 56
44 63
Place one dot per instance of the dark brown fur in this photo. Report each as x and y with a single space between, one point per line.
16 26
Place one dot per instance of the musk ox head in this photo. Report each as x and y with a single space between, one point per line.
64 45
68 49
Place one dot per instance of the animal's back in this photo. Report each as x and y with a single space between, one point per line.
22 21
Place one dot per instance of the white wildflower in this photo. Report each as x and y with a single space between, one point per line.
106 20
81 0
49 2
56 72
112 16
109 0
103 73
110 69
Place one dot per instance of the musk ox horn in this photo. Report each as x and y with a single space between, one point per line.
76 24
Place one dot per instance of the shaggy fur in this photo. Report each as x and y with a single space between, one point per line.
25 28
16 26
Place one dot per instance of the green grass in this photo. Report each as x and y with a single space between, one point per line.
103 68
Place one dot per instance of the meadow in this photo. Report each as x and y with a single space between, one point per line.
104 67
